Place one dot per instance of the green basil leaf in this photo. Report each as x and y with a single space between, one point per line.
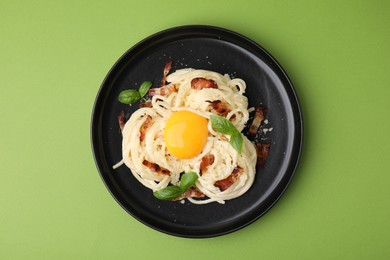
144 88
129 96
168 193
236 141
188 180
222 125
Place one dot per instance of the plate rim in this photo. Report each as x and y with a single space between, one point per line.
295 107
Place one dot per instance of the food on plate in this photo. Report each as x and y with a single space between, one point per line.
186 140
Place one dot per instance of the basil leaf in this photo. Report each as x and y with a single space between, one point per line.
188 180
144 88
222 125
129 96
236 141
168 193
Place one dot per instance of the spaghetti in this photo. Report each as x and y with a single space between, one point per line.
223 173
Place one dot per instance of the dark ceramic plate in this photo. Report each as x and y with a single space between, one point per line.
209 48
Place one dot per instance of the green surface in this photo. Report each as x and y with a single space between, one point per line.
53 58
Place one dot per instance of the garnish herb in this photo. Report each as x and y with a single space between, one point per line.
144 88
188 180
236 141
224 126
130 96
170 192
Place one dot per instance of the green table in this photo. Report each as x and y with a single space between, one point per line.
53 58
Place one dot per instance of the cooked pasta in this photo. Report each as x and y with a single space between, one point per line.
223 173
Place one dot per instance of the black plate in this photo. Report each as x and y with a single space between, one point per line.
214 49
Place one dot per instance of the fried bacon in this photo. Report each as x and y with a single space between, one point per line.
147 103
121 120
162 91
201 83
219 107
258 118
207 160
167 68
144 127
232 178
190 193
156 168
262 150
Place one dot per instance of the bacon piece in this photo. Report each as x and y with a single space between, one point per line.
121 120
207 160
262 150
163 91
219 107
201 83
144 127
190 193
147 103
156 168
257 119
232 178
167 68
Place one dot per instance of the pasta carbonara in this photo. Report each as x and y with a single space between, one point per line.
223 172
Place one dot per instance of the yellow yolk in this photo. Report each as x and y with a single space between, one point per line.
185 134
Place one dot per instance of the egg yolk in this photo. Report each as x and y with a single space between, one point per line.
185 134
